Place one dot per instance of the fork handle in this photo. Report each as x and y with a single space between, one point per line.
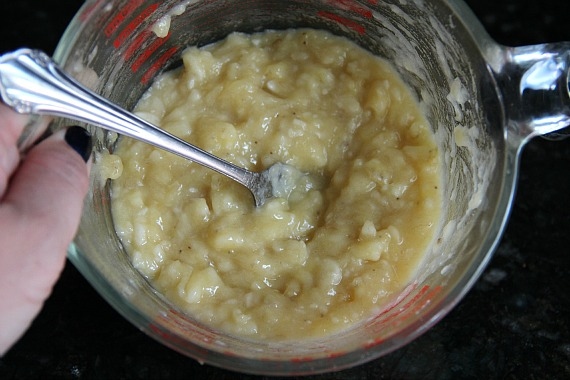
32 83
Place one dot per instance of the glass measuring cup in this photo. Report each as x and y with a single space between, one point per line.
483 100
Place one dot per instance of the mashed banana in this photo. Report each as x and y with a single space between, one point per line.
312 264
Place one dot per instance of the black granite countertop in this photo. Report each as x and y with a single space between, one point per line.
514 324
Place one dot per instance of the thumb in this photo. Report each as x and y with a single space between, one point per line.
39 215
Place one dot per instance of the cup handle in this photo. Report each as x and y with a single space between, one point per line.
534 84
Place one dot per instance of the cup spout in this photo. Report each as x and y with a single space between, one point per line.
534 83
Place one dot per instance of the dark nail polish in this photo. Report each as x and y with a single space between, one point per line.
80 140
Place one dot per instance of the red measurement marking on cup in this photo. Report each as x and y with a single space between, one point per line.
148 52
135 46
391 305
131 26
302 359
123 13
344 21
352 6
425 295
158 64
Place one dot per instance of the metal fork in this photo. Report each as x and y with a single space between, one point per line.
32 83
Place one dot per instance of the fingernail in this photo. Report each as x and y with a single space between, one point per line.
80 140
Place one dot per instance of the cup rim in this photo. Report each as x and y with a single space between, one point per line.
441 307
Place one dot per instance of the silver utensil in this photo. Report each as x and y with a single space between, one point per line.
32 83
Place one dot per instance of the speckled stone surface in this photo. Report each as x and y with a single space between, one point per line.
514 323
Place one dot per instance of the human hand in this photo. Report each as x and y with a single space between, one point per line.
41 197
